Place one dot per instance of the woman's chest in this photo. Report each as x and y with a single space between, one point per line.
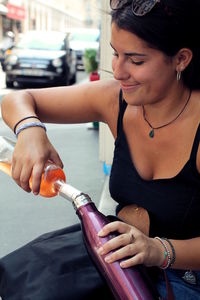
171 203
162 156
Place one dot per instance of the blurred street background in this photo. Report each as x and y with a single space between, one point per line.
53 43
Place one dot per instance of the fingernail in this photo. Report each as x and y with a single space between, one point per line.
100 232
108 259
122 264
35 193
101 251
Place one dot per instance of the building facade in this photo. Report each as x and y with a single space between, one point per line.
20 16
106 141
12 15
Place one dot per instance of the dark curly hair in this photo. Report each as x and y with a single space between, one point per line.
168 27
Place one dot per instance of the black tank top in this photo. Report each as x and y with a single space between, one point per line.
173 204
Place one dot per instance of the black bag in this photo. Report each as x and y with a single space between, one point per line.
55 266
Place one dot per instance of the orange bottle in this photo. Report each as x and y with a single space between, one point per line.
50 175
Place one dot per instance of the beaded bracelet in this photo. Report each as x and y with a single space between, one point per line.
167 260
23 119
28 125
173 251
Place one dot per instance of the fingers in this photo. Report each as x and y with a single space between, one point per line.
55 158
126 236
117 242
36 177
20 175
123 243
29 159
132 238
133 261
122 252
131 247
27 174
118 226
129 255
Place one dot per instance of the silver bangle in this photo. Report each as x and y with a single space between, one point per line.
28 125
162 241
173 251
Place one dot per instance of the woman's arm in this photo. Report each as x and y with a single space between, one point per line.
95 101
187 254
140 249
71 104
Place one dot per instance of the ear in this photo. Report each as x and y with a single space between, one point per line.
183 58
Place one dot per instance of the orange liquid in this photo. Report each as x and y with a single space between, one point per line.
6 168
51 174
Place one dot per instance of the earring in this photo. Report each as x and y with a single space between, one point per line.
178 75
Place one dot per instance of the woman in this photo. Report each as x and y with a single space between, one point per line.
152 108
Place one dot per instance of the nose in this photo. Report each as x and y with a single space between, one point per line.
120 71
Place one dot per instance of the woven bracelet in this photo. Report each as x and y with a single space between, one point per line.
28 125
173 251
26 118
165 265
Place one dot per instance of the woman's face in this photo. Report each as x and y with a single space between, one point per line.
145 74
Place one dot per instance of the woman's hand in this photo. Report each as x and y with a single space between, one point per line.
131 246
32 151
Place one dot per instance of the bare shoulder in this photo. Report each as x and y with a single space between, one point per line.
196 96
111 114
107 89
195 106
105 95
196 116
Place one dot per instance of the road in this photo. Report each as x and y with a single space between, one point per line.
25 216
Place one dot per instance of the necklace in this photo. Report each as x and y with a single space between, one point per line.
151 133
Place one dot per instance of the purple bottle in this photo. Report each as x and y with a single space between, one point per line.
125 284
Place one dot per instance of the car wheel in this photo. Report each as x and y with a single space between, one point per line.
9 84
73 79
64 81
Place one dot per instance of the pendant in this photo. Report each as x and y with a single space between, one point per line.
151 133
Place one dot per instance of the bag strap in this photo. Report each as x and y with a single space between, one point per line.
170 294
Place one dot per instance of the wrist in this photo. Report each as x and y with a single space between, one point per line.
169 252
161 256
172 251
24 120
29 125
168 258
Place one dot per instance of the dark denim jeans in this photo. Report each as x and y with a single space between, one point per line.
187 289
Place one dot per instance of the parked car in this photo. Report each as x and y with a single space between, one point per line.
41 58
82 39
6 45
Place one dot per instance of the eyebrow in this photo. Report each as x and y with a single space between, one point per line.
130 53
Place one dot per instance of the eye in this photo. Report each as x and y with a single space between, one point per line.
115 54
138 63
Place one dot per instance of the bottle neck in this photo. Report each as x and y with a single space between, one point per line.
69 192
81 200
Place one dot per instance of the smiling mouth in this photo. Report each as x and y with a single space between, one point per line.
129 86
